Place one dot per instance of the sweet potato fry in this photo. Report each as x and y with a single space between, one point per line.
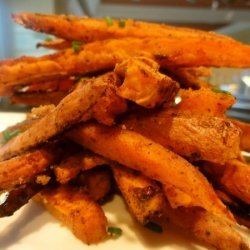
234 177
144 84
143 196
207 227
69 111
56 44
245 138
95 182
35 99
196 136
71 165
89 29
18 197
239 209
205 101
23 169
153 160
104 55
77 211
190 77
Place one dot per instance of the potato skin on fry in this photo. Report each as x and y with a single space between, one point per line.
77 211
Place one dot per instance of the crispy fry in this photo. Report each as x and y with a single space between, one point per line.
153 160
35 99
234 177
245 138
143 196
238 208
95 182
18 197
205 101
144 84
71 165
77 211
23 169
69 111
103 55
196 136
207 227
56 44
89 29
190 77
64 84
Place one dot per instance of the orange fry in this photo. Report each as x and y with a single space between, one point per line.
103 55
85 29
135 151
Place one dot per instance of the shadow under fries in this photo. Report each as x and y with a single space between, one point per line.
18 226
171 237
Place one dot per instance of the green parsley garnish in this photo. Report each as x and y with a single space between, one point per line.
154 227
122 23
109 20
9 135
247 158
218 90
48 39
114 231
76 46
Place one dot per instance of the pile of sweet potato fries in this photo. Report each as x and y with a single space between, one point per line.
126 107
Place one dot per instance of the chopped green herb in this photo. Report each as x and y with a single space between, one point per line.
76 46
218 90
9 135
109 20
122 23
48 39
154 227
247 158
115 231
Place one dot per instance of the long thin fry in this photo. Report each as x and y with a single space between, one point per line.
154 161
89 29
71 165
245 138
77 211
143 196
207 227
103 55
69 111
23 169
38 98
234 177
196 136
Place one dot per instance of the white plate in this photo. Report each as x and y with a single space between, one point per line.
33 228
